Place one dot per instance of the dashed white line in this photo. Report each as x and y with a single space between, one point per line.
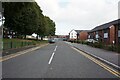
51 58
55 48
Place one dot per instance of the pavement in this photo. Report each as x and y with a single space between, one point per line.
109 57
15 50
19 51
59 60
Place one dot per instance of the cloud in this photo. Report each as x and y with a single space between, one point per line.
79 14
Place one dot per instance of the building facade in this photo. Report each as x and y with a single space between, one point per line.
78 34
74 34
117 33
83 35
108 33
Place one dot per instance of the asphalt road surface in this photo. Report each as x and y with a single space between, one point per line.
57 60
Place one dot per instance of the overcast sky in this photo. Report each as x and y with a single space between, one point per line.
79 14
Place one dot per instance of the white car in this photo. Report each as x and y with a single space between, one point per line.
51 41
91 40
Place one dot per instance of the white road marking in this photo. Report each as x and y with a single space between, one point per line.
51 58
55 48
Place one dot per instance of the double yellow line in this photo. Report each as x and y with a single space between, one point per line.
116 73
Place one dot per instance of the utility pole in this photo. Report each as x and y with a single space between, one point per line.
2 25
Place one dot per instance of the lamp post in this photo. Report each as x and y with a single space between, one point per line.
1 42
1 26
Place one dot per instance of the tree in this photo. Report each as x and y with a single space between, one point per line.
23 17
49 26
26 18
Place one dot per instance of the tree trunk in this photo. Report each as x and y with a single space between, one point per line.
25 36
37 37
41 37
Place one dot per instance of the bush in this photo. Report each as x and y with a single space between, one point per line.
118 48
110 48
96 45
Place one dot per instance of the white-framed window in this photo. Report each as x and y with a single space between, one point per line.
105 35
8 32
96 32
89 36
119 33
72 34
97 36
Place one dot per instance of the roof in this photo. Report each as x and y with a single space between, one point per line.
106 25
86 30
78 31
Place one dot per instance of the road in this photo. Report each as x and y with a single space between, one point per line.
57 60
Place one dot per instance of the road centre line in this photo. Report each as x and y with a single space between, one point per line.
55 48
51 58
116 73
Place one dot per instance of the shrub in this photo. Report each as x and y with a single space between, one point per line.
118 48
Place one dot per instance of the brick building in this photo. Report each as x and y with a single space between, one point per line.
83 35
78 34
117 33
74 34
108 33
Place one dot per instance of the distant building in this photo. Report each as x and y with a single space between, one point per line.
108 33
78 34
62 37
74 34
83 35
7 33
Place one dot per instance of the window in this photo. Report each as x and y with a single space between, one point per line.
106 31
96 32
105 35
118 27
119 33
119 40
72 36
97 36
89 36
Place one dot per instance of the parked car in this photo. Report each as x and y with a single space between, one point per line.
91 41
52 41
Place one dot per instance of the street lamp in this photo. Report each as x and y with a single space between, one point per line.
1 25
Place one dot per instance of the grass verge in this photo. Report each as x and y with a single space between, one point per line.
19 43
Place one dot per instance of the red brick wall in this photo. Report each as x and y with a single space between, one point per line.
112 34
83 35
101 35
116 35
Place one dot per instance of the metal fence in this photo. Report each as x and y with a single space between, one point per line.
11 45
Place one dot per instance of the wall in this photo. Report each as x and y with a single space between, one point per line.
112 34
83 35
